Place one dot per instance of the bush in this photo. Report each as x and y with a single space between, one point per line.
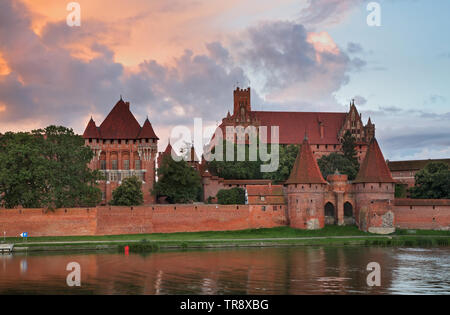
234 196
129 193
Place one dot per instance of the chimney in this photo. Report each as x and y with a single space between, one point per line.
322 132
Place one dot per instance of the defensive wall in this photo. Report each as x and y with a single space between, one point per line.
140 220
376 217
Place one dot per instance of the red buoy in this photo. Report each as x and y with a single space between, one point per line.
127 250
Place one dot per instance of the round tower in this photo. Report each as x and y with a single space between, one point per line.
305 191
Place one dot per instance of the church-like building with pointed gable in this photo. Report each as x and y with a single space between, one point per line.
123 148
325 129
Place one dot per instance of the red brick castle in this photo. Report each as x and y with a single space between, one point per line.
123 149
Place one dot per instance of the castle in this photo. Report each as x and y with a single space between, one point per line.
124 148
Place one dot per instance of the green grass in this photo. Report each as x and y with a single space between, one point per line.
281 236
279 232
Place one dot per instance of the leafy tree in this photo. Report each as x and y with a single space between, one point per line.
129 193
236 169
234 196
349 148
432 182
288 155
400 191
178 181
47 168
328 164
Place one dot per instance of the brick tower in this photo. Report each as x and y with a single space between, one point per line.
305 190
122 149
374 182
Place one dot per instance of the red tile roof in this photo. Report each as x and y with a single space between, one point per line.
265 190
374 168
120 123
413 165
292 124
305 170
147 131
91 131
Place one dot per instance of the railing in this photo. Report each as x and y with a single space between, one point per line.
119 175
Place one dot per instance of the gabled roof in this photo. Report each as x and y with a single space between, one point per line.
91 131
292 124
374 168
147 131
305 170
120 123
413 165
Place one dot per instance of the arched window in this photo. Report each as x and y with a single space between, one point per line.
126 160
329 210
348 209
103 161
114 165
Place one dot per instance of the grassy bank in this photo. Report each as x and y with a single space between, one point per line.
282 236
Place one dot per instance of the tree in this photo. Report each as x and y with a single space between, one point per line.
349 148
129 193
47 168
236 169
179 182
288 155
328 165
233 196
432 182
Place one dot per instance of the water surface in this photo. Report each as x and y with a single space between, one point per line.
295 270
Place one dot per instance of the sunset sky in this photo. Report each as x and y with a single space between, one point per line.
174 60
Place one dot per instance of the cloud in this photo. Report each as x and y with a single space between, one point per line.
289 61
354 48
360 100
327 12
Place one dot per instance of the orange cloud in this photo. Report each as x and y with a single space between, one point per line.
4 68
159 30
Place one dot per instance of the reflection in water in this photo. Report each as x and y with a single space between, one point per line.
300 270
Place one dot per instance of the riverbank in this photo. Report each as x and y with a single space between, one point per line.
283 236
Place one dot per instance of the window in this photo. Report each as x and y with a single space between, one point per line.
126 164
114 164
103 164
263 198
137 164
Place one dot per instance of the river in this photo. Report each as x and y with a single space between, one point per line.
293 270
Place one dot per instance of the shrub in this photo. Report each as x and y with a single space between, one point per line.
234 196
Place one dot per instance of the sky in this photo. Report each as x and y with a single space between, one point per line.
175 60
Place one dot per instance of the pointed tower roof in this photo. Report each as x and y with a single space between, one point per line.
193 156
374 168
91 130
305 170
120 123
147 131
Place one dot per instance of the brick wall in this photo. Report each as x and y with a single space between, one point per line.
139 220
422 214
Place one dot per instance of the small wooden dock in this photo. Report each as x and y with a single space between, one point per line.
8 248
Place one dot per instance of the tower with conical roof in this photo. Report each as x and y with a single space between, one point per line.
305 190
374 181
